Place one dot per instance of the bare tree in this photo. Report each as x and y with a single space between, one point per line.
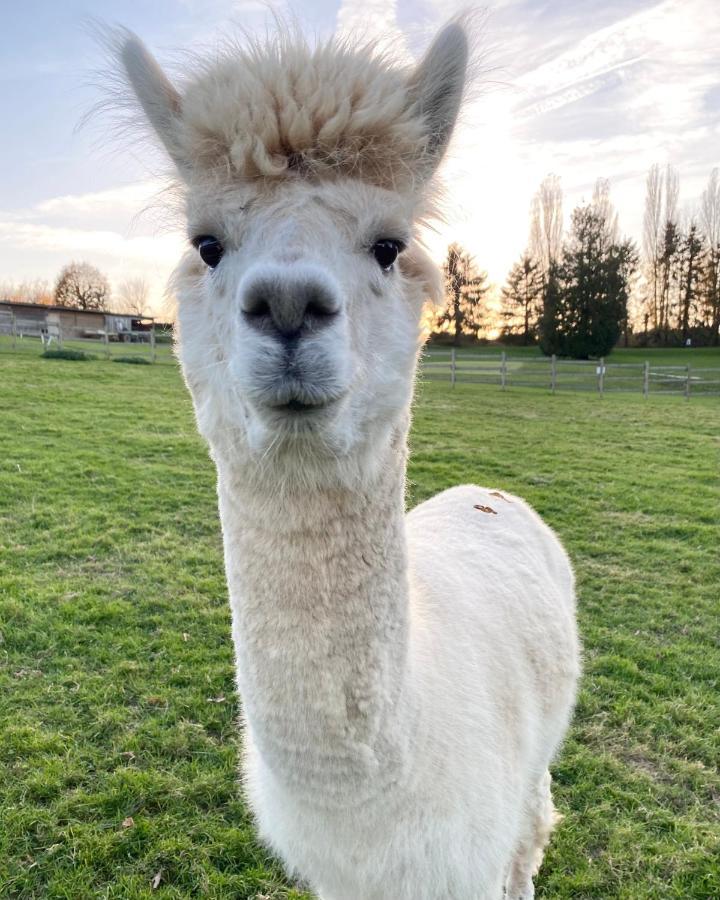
37 291
546 223
133 296
607 214
82 286
672 192
652 231
710 227
661 242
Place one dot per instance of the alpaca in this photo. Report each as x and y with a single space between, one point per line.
405 679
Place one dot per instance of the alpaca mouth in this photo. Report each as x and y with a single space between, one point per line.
296 405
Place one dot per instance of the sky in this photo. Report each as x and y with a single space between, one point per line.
579 88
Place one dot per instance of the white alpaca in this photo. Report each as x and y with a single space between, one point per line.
406 680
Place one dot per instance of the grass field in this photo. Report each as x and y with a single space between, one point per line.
118 744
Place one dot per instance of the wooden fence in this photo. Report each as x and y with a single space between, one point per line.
553 374
19 333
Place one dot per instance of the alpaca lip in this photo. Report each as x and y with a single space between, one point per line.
300 406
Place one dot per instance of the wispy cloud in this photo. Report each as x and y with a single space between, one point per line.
102 227
112 246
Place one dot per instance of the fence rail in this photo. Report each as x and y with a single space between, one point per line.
553 374
30 335
450 365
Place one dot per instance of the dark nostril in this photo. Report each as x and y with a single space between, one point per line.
258 308
318 309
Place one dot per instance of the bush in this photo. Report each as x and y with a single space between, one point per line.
133 360
67 354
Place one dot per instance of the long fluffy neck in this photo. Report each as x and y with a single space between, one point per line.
319 595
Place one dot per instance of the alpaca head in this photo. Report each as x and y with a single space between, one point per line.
305 174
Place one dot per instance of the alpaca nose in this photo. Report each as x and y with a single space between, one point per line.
288 307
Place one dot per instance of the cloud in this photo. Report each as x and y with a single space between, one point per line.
101 227
126 198
87 243
374 20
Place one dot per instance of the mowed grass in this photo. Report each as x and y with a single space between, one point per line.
118 737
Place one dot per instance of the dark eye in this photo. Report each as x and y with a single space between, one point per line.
209 248
386 252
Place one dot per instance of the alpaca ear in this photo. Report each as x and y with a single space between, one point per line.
159 99
436 88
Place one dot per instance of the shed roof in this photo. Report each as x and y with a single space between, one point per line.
20 304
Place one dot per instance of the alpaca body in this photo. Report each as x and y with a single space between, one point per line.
405 680
384 747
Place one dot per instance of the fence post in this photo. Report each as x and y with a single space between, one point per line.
503 370
646 378
453 373
687 383
553 373
14 330
152 342
601 375
106 341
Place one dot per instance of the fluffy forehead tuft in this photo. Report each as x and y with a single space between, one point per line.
280 109
284 108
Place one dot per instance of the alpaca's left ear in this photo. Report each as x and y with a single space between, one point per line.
436 88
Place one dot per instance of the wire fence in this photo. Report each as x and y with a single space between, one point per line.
553 374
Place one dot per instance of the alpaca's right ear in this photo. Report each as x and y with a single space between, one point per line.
159 99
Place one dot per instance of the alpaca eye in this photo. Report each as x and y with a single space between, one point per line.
209 248
386 252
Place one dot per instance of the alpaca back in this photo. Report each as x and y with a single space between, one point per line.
494 641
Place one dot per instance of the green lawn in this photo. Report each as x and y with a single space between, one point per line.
118 744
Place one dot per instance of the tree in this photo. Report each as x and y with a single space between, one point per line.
522 299
546 223
710 227
660 243
652 223
37 291
132 296
82 286
585 304
691 253
552 325
669 274
465 288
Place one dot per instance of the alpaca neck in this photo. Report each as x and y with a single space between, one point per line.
319 594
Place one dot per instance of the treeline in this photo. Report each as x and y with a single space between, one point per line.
571 292
578 293
682 263
82 286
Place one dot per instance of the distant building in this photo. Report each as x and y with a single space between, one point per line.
35 319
